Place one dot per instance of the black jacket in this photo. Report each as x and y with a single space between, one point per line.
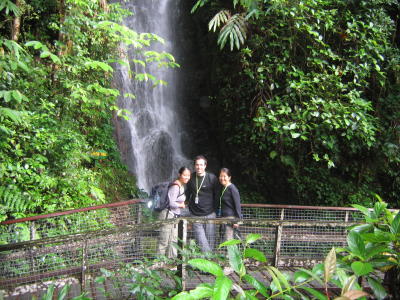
207 194
230 201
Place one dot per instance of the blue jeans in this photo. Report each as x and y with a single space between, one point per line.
204 233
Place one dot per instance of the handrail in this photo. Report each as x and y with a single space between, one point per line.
134 201
299 206
68 212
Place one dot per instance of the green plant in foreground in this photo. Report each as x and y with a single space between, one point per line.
143 280
373 248
281 286
49 295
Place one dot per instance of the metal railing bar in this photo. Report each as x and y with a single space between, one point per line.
75 237
259 205
72 211
137 227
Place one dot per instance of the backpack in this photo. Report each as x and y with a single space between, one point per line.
159 196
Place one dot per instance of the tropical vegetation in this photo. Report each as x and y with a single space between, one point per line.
57 104
308 91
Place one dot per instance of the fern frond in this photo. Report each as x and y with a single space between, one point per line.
14 115
11 198
220 18
235 30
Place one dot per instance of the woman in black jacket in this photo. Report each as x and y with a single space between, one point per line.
228 202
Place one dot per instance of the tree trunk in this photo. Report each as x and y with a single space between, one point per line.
61 35
104 5
16 25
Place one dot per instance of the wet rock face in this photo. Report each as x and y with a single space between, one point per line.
169 125
159 160
150 141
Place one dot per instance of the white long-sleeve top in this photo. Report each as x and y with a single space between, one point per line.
176 196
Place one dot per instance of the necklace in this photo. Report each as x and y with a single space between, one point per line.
196 199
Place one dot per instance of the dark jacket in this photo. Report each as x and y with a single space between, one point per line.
207 194
230 201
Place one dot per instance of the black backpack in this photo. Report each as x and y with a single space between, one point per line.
159 196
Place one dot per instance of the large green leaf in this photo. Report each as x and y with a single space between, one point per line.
377 288
14 115
235 260
395 226
318 295
363 228
252 237
206 266
379 208
222 288
230 242
356 244
373 250
279 278
361 268
255 254
183 296
300 276
378 236
49 293
64 292
201 292
313 275
260 287
249 296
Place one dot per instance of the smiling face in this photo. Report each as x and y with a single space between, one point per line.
184 176
200 167
224 178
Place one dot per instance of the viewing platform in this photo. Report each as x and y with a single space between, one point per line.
73 246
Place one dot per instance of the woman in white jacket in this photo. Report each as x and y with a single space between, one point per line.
176 196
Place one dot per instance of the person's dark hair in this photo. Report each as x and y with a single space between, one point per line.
225 170
182 169
200 157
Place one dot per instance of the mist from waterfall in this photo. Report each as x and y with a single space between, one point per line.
152 135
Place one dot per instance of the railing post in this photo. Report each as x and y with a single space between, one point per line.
138 236
278 239
32 236
84 262
346 220
182 238
32 231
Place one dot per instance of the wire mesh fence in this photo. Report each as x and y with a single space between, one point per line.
80 244
70 222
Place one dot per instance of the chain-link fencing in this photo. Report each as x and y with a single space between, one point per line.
81 245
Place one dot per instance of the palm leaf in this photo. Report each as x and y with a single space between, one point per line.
235 30
14 115
220 18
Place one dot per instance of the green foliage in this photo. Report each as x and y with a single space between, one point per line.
281 285
142 280
374 247
311 97
57 105
62 294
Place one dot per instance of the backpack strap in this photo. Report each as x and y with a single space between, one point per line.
169 186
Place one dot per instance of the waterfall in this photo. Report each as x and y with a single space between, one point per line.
150 141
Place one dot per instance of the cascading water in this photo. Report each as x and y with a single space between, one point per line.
150 141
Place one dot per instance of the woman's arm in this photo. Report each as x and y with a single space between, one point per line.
236 202
173 193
